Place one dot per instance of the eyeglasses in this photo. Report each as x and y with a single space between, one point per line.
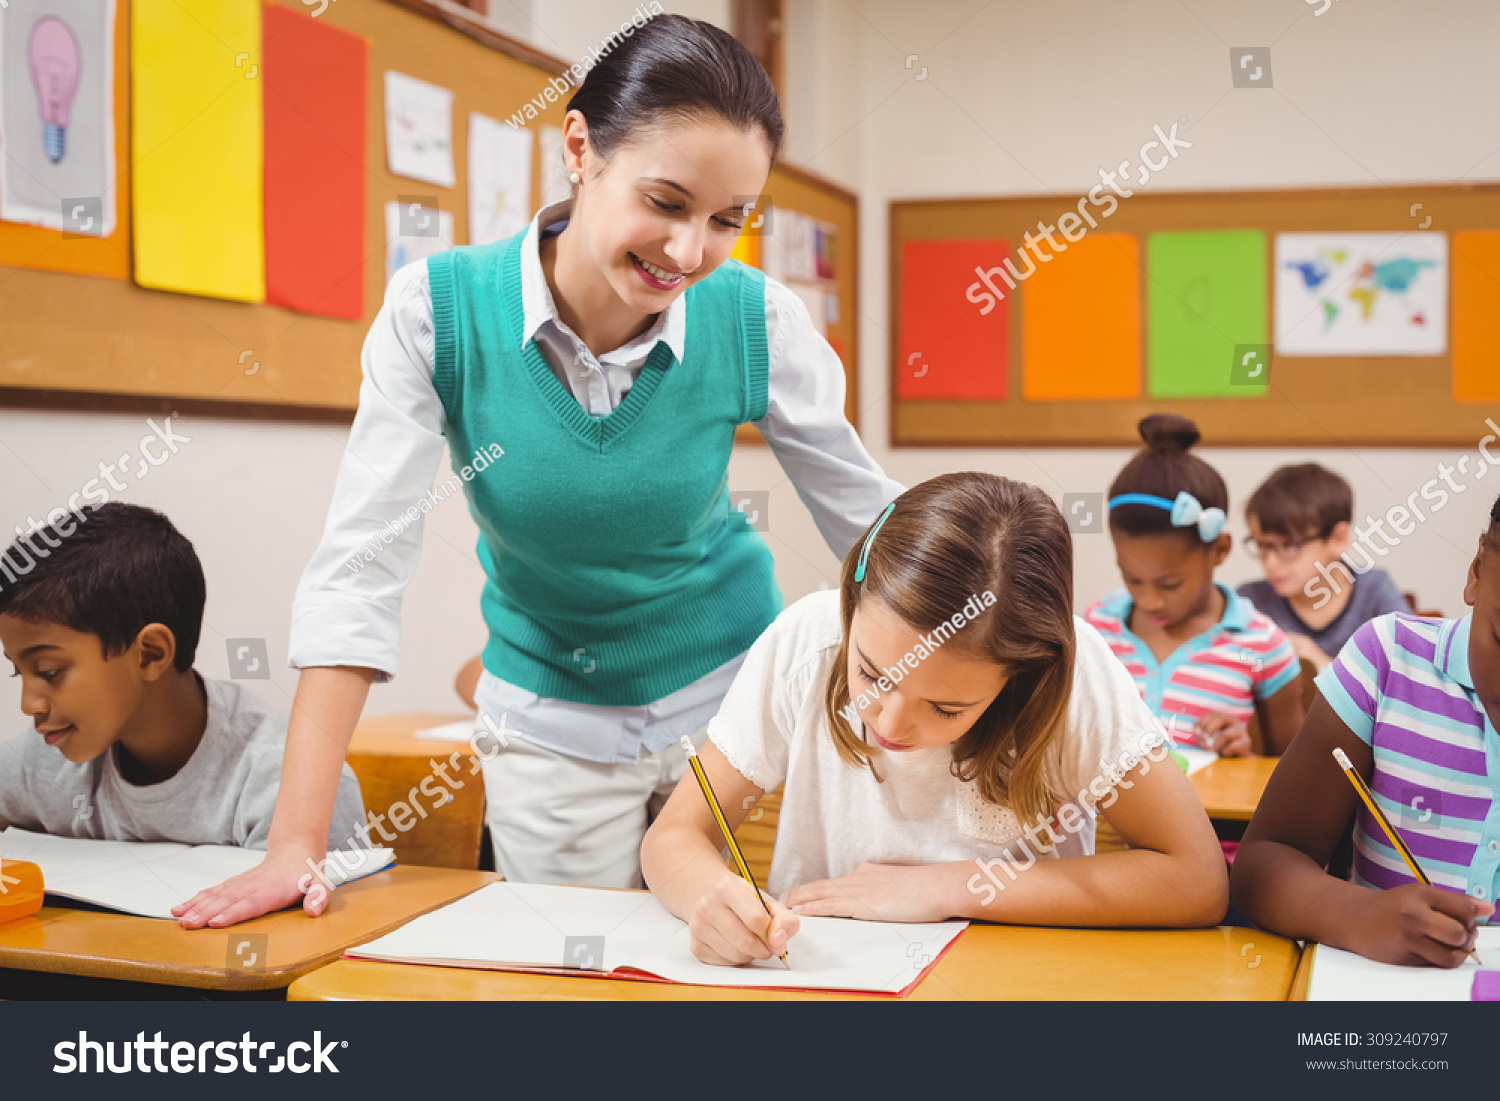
1287 551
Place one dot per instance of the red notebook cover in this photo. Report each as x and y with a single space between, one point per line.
314 93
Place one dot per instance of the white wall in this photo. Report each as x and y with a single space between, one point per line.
568 28
1029 98
1019 98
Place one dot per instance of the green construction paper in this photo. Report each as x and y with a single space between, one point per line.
1206 293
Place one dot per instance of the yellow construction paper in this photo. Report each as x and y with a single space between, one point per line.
196 147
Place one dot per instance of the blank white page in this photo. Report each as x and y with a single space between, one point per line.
150 877
1344 976
527 926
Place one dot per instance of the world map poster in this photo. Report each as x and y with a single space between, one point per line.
1371 294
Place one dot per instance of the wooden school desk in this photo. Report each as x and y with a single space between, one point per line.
390 762
1231 787
988 962
286 944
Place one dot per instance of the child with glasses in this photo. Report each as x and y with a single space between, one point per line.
1204 659
1299 530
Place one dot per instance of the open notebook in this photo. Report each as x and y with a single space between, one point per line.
150 877
1339 976
627 934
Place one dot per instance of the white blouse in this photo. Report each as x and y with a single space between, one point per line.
352 617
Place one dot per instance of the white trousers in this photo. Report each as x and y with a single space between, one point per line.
560 819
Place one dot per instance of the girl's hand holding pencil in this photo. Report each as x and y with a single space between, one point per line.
730 926
1417 924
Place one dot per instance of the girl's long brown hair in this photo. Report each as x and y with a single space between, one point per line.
948 539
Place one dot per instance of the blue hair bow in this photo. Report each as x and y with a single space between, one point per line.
1187 511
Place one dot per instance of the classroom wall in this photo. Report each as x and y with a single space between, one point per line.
1025 99
1064 88
568 28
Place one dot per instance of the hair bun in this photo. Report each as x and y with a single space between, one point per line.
1168 432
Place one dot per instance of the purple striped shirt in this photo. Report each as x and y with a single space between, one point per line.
1403 685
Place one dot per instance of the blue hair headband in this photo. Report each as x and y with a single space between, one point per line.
1187 511
864 555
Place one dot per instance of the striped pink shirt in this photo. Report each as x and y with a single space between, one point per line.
1243 658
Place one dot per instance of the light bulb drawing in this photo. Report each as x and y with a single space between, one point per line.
55 60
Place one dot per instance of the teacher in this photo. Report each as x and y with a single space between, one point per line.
607 353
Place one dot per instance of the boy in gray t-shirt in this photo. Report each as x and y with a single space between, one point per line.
100 614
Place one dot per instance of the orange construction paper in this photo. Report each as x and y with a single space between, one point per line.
1081 322
1476 315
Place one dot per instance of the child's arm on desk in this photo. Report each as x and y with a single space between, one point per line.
681 860
1173 873
1279 877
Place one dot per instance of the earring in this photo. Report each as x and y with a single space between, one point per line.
573 177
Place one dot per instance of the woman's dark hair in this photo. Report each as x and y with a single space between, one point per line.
108 572
675 68
1164 468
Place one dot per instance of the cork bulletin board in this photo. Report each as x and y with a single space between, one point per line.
1373 315
88 337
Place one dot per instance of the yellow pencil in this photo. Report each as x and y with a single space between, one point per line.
1385 823
734 846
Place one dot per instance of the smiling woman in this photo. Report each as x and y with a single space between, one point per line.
611 350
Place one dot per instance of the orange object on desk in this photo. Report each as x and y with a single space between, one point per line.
21 889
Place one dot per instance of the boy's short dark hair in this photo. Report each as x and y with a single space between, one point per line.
1301 501
1492 537
109 572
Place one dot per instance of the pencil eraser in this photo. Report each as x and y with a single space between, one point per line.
1486 987
20 889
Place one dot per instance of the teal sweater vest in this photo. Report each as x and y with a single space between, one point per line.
616 572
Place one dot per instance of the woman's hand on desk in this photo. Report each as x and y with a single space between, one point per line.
278 881
730 927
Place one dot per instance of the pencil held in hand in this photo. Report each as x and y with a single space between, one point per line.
718 812
1368 798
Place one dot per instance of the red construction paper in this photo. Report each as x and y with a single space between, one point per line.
314 91
948 347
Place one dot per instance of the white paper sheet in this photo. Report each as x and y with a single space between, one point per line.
1343 976
57 118
419 129
150 877
499 179
460 731
402 248
529 925
1196 756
